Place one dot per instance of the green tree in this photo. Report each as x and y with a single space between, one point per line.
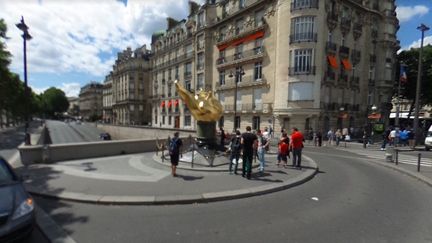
54 101
408 88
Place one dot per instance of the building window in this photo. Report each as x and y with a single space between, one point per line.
300 4
200 81
242 4
201 20
188 70
200 65
163 120
237 122
188 85
169 120
258 71
259 18
200 42
300 91
222 98
222 33
303 29
238 74
177 72
221 122
257 100
258 46
156 116
238 51
222 77
256 123
239 26
189 50
187 121
303 61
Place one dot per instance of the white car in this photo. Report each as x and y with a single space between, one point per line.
428 139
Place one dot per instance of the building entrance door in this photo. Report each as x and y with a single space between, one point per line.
177 122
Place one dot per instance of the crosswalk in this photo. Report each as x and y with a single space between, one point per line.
380 155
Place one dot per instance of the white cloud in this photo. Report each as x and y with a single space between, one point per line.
406 13
71 89
38 90
71 36
416 44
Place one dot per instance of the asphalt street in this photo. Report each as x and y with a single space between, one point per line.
350 200
72 132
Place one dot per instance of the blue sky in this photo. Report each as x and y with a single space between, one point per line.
72 46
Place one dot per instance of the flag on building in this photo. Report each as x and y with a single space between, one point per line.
403 75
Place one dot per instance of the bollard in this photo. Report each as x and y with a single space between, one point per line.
193 149
397 156
418 162
389 154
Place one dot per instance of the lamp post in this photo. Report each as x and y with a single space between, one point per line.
26 36
398 97
423 28
239 72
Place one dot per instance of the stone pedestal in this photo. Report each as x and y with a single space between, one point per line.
206 134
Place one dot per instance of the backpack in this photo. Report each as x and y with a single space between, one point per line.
264 141
173 146
235 145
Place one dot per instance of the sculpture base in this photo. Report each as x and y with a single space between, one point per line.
206 134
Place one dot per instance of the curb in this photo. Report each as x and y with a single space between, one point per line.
183 199
50 229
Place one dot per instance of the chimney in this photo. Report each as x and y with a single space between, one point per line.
193 7
171 23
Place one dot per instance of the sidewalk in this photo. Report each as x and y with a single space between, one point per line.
142 179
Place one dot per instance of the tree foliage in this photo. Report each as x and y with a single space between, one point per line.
410 58
54 101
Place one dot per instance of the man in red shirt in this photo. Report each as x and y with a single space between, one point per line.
296 146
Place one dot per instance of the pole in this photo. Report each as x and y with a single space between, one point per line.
422 28
235 102
398 104
418 162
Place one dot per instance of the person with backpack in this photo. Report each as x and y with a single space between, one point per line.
174 151
235 148
283 150
262 144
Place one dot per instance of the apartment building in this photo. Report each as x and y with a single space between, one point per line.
90 101
316 64
180 53
312 64
130 88
107 97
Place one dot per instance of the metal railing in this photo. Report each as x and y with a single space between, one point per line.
309 70
304 37
298 5
256 52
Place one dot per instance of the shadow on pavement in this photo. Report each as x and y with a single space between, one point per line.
190 178
260 176
38 179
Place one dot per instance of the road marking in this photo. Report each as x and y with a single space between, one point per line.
315 198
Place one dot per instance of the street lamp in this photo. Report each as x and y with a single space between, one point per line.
423 28
239 72
26 36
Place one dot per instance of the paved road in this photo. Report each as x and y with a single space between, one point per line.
350 200
72 132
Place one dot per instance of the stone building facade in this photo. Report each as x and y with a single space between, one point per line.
107 98
90 101
130 88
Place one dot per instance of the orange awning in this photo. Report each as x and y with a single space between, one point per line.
374 116
176 102
332 61
163 104
235 42
169 103
346 64
343 115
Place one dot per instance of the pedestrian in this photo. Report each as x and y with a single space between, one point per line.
271 132
296 146
174 151
235 148
392 137
283 150
410 137
262 144
330 137
403 135
319 137
222 138
338 136
249 144
266 133
386 135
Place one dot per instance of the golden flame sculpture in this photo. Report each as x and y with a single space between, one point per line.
202 105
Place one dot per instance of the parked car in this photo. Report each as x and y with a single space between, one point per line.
428 139
105 136
17 216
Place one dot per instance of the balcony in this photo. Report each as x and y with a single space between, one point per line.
332 20
331 47
187 75
200 66
330 75
303 37
299 5
344 51
246 82
243 57
245 31
343 80
249 107
310 70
